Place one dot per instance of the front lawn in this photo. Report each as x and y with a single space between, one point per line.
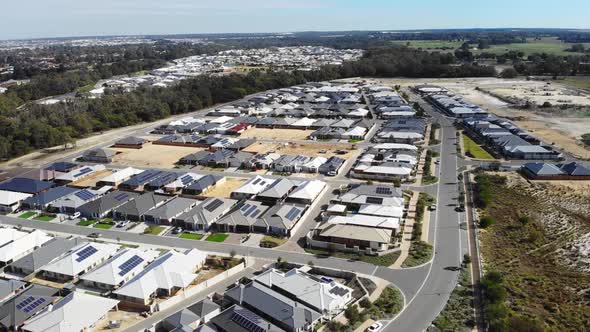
191 236
102 225
217 237
44 218
269 241
86 222
27 215
473 150
153 230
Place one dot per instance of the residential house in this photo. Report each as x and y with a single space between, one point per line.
10 201
25 185
35 260
23 246
251 187
279 219
237 319
130 142
203 184
102 206
119 177
200 217
103 156
70 203
42 200
135 209
34 299
164 214
189 318
306 192
277 191
370 194
331 166
241 219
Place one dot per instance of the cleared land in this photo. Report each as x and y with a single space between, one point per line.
473 150
266 133
539 245
306 149
91 180
158 156
225 189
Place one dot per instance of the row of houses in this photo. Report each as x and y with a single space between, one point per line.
386 162
387 103
293 301
546 171
449 103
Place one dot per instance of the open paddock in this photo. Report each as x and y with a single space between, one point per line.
226 188
306 149
157 156
90 181
267 133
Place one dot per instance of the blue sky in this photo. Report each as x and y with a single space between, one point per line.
64 18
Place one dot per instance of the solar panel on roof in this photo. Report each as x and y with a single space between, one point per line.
294 212
84 194
25 302
255 213
129 265
121 196
374 200
213 205
33 305
250 210
85 253
245 207
83 171
383 191
256 181
248 320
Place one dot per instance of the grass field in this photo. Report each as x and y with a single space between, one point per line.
191 236
86 222
429 44
473 150
44 218
27 214
217 237
103 225
153 230
581 82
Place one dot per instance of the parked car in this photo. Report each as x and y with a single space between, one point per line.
176 230
375 327
331 173
122 223
340 152
322 151
74 215
94 235
432 207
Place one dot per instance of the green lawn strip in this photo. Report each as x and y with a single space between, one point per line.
27 214
87 222
44 218
103 225
420 253
191 236
473 150
217 237
153 230
384 260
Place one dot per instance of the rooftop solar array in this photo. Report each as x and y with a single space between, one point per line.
255 213
29 304
374 200
214 205
130 264
248 320
84 194
339 291
294 212
121 196
186 179
383 191
250 209
83 171
85 253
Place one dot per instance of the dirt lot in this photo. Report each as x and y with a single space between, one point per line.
226 188
127 319
265 133
90 181
159 156
310 150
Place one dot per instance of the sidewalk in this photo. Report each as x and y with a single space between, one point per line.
407 231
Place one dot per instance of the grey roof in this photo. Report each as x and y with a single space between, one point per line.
107 202
203 307
245 215
172 208
543 169
575 169
131 140
11 316
162 180
283 310
47 253
282 216
207 211
98 153
229 321
143 178
49 196
204 182
180 320
8 287
62 166
141 204
278 189
25 185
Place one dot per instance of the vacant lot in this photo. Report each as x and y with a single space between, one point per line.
306 149
226 188
539 245
473 150
90 181
158 156
265 133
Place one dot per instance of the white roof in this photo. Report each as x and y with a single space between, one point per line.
8 235
221 119
355 131
308 190
110 272
367 221
303 122
121 175
316 162
336 208
184 180
255 185
389 170
23 245
400 134
395 146
73 262
359 112
10 197
172 269
80 173
74 313
382 210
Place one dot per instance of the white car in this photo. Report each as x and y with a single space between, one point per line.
375 327
74 216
